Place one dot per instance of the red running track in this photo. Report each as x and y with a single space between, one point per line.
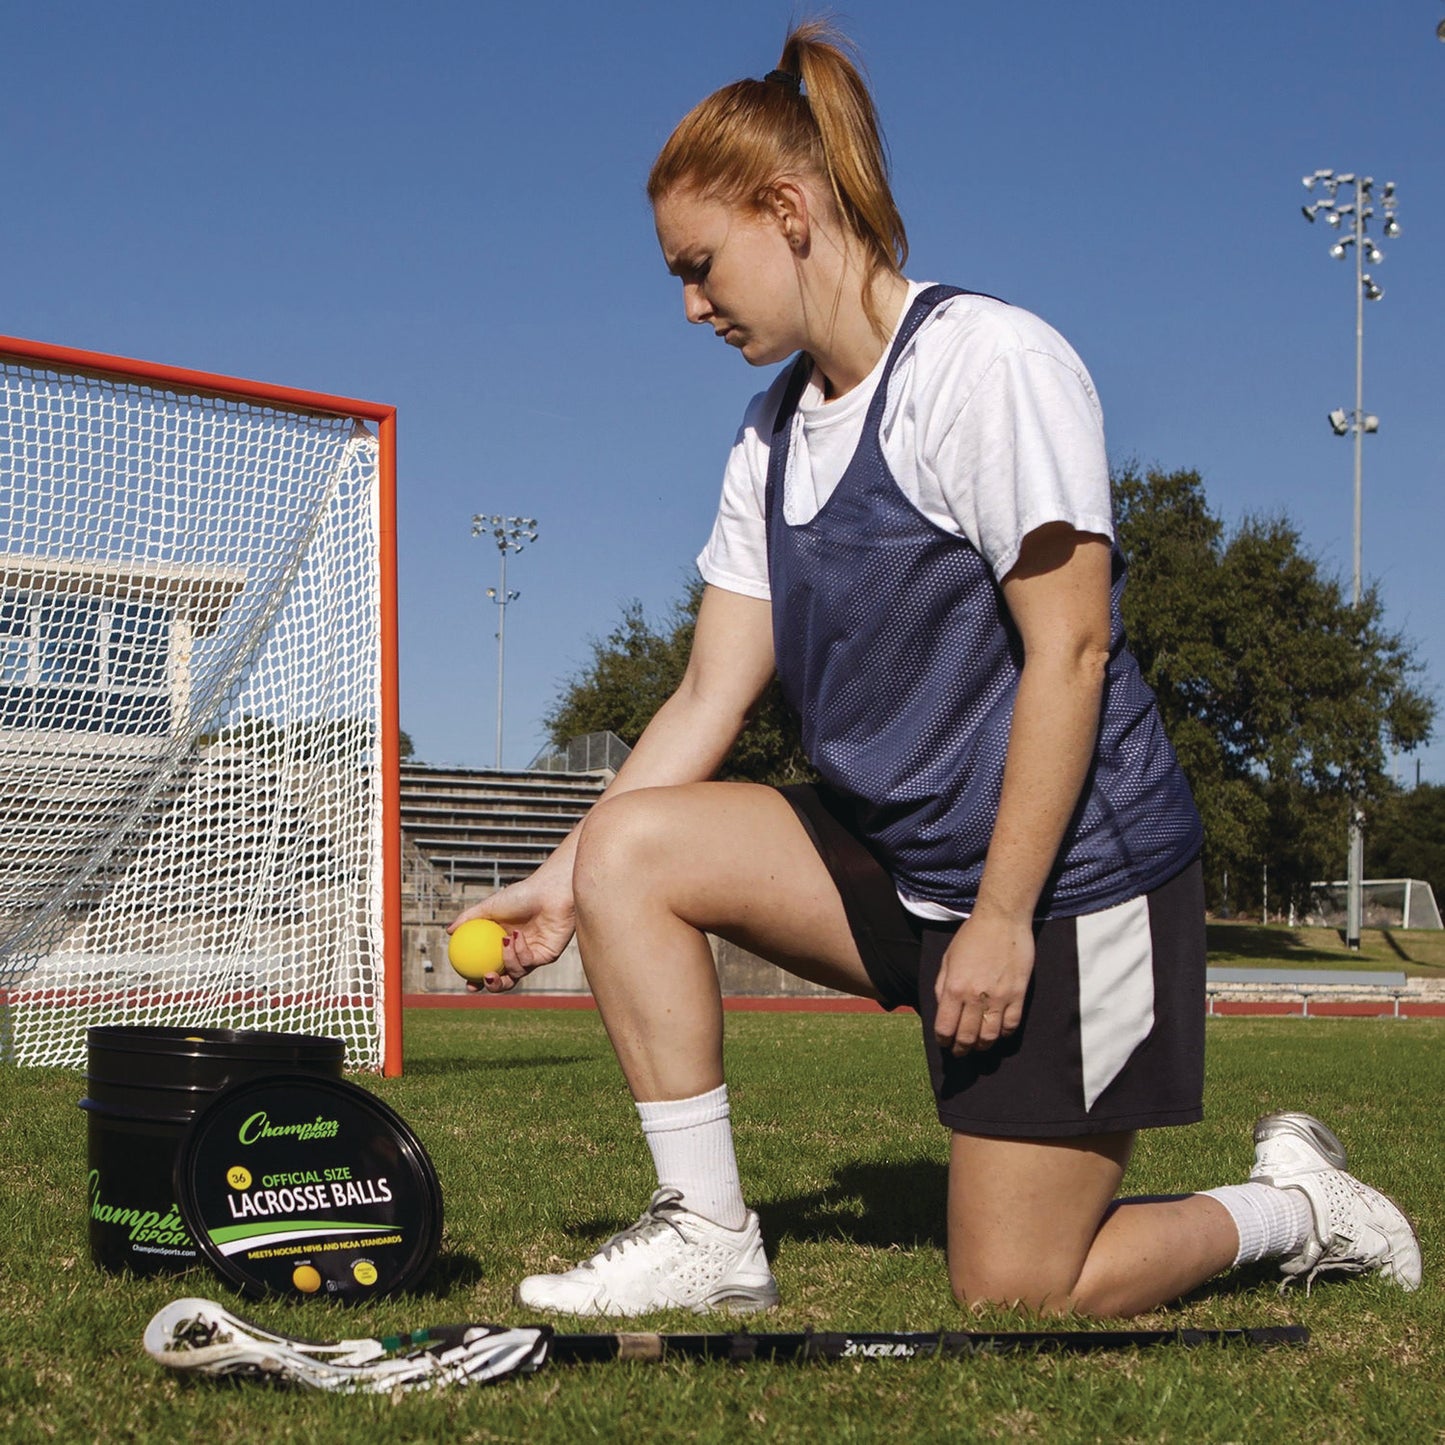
1358 1009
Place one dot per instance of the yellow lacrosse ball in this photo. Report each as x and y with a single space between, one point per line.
475 949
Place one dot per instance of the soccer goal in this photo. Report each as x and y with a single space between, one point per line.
1385 903
198 717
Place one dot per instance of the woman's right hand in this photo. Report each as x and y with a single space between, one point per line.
539 920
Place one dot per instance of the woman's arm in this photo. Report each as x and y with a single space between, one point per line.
689 736
1058 597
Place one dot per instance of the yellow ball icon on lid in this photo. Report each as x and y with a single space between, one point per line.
306 1278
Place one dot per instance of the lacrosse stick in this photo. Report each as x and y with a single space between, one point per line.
907 1345
202 1337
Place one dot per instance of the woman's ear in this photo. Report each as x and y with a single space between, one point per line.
787 203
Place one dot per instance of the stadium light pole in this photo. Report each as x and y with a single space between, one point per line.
1350 198
510 534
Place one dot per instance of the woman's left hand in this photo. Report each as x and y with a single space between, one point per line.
982 983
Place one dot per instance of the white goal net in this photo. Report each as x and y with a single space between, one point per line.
190 714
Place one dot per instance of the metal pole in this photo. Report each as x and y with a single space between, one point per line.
501 600
509 533
1359 386
1356 860
1359 208
1357 872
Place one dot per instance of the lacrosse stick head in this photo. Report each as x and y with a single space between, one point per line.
199 1337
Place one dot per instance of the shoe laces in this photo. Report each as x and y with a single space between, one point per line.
1343 1246
658 1216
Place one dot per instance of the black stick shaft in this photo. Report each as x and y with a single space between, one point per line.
585 1349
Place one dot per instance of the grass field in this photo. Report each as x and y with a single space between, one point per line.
526 1119
1415 951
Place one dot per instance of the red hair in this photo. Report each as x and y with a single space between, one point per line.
742 138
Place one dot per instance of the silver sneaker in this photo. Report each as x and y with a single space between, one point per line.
670 1258
1356 1229
1273 1128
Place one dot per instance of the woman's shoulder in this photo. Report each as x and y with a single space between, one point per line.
980 329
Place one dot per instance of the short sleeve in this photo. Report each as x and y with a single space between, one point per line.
1025 449
736 555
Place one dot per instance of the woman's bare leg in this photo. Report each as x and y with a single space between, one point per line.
659 868
1035 1222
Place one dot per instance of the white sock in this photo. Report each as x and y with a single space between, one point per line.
1271 1222
692 1146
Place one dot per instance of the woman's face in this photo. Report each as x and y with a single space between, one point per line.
739 273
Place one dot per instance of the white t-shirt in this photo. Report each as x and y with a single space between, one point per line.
991 429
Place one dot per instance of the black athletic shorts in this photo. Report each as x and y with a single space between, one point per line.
1112 1036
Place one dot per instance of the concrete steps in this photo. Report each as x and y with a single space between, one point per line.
481 829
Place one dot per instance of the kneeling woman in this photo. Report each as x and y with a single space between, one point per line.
915 534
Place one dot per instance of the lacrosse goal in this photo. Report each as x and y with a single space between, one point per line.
198 715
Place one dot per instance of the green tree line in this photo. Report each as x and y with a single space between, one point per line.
1281 698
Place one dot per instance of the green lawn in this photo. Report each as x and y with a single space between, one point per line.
540 1158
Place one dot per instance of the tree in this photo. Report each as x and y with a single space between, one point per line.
1405 837
1280 697
639 665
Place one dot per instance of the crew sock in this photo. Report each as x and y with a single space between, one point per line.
1272 1223
692 1146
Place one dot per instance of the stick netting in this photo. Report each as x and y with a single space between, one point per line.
190 801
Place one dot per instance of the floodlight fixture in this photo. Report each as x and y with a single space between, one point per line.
511 534
1339 421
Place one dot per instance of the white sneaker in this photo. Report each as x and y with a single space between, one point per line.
670 1259
1356 1229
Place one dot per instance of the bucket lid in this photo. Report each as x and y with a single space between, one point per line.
305 1186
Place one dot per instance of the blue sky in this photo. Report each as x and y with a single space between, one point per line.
440 206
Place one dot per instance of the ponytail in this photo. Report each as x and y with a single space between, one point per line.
850 138
812 115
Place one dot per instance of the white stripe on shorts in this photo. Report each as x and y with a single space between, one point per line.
1116 990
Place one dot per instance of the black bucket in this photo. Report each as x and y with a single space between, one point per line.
144 1086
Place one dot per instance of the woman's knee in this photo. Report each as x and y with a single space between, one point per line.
622 846
1033 1286
1037 1297
1024 1215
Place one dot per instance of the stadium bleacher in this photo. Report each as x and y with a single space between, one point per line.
477 830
